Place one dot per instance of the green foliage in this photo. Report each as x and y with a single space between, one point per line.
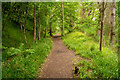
82 16
13 51
100 64
12 36
20 60
26 65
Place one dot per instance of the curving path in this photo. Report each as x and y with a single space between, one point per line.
59 63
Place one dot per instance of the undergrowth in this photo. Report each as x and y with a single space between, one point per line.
99 64
25 63
20 60
12 36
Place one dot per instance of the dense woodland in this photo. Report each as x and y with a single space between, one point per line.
92 29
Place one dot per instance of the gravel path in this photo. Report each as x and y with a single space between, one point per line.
59 63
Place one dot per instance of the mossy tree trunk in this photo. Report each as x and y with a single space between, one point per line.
34 24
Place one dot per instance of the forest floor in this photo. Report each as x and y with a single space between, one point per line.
59 63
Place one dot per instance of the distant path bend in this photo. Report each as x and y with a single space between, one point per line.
59 63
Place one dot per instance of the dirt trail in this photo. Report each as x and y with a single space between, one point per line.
59 63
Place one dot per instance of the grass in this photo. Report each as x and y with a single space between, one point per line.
25 63
99 64
18 59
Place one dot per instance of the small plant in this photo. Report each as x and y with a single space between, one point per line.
13 51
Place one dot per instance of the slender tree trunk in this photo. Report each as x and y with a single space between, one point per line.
98 31
39 24
102 20
21 24
100 13
24 27
39 32
71 23
45 32
25 36
34 24
53 28
63 17
50 29
112 24
119 30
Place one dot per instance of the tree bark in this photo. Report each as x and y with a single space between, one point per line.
34 24
102 20
112 24
24 27
25 36
63 18
39 24
100 13
119 29
50 29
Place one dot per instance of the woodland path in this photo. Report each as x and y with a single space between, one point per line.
59 63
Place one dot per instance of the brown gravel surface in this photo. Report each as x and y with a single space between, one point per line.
59 63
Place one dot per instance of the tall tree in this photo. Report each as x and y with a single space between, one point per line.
119 29
46 21
101 23
24 26
50 29
39 23
20 19
112 23
34 23
63 18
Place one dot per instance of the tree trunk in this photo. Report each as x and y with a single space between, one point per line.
34 24
45 32
119 28
21 24
100 13
53 30
25 36
71 23
112 24
63 17
24 27
50 29
39 24
102 20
